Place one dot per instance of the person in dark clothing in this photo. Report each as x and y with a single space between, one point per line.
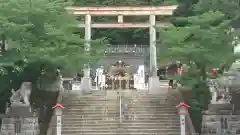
125 112
79 76
170 84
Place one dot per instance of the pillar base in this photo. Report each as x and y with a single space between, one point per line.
154 86
86 84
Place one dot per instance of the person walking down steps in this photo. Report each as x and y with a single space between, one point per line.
125 112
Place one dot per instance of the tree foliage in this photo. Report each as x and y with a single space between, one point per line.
230 8
41 29
201 40
40 37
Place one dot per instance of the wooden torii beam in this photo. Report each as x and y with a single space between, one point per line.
120 12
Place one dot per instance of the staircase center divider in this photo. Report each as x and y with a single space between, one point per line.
120 106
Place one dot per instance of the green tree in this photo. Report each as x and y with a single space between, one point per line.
203 42
41 29
230 8
40 37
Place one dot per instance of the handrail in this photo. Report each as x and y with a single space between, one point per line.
120 108
178 97
120 104
53 119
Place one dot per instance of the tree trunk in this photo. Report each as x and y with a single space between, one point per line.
3 43
203 73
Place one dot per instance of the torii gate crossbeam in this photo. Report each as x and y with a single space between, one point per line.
120 12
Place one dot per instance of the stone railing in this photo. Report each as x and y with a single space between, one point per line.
51 126
127 49
177 97
131 50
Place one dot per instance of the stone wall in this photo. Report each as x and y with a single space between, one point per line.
19 119
221 124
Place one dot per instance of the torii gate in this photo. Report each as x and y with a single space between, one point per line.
120 12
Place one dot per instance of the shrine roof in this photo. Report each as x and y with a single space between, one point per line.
132 62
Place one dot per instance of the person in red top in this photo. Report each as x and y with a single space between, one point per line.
180 70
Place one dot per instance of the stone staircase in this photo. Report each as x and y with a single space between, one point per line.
142 114
150 115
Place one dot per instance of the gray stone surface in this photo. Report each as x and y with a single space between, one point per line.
19 120
154 86
86 84
22 94
222 118
221 124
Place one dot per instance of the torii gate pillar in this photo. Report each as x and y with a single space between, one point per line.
88 34
153 78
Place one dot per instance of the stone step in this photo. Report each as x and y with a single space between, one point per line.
100 107
165 102
124 131
117 106
89 128
73 102
137 105
115 130
135 118
136 113
109 96
140 102
104 117
103 97
121 133
100 113
129 125
117 121
130 119
81 112
149 133
93 103
142 125
161 102
165 107
117 115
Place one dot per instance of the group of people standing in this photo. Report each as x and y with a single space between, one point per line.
168 73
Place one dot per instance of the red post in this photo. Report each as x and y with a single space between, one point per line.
182 111
59 113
